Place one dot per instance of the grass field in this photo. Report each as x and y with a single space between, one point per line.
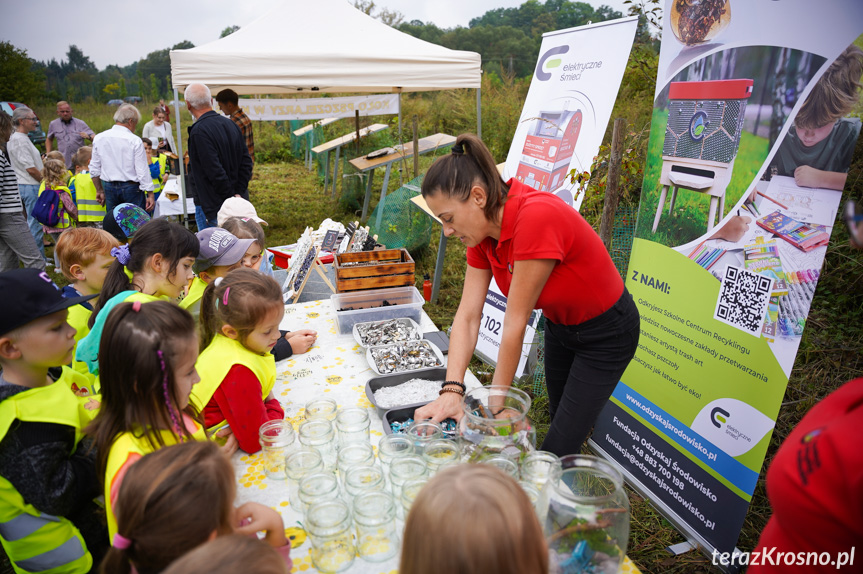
291 198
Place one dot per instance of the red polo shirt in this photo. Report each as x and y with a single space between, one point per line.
538 225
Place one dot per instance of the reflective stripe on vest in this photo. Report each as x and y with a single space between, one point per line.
35 541
216 360
85 196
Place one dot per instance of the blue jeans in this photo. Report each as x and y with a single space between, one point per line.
122 192
202 221
29 195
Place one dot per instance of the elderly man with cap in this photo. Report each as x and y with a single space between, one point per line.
119 164
69 132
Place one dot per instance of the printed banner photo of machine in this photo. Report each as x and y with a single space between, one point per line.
548 150
702 137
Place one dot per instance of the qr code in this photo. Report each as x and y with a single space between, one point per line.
743 299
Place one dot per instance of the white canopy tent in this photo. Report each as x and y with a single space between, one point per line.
322 46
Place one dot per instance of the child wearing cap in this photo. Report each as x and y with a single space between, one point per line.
84 254
240 217
220 251
48 474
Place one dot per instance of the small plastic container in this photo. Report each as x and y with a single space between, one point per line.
365 478
331 533
317 487
277 439
318 433
375 521
352 424
368 306
305 460
321 408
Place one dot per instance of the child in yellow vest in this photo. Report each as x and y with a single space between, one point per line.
85 256
90 212
147 370
48 479
157 163
219 252
54 177
59 157
157 265
176 499
240 316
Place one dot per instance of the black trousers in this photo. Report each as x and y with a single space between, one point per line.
583 364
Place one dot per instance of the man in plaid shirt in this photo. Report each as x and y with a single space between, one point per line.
229 105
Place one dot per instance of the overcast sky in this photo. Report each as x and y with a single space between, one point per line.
123 32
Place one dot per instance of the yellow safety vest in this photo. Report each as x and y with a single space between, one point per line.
133 443
192 301
65 219
157 181
85 197
78 317
216 360
33 540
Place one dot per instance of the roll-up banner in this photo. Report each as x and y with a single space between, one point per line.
741 191
317 108
565 114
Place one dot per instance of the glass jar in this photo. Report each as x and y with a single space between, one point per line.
392 446
424 432
318 434
588 516
533 495
330 529
321 408
503 463
410 490
298 464
695 22
352 425
276 438
317 487
495 422
361 479
375 520
404 469
352 455
537 467
438 453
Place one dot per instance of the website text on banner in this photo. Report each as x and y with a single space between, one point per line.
317 108
724 275
564 117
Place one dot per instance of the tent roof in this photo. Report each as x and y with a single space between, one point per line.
326 45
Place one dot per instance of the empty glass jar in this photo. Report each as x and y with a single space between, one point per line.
403 469
410 490
318 434
495 422
298 464
503 463
360 479
374 518
588 516
351 455
438 453
352 425
424 432
317 487
276 438
323 408
392 446
330 528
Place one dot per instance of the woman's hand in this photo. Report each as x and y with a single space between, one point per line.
252 518
446 406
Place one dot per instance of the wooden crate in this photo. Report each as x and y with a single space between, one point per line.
395 268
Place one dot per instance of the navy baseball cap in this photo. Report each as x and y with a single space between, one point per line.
29 294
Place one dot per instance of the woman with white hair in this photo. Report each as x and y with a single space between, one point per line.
27 165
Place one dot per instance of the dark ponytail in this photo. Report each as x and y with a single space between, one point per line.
170 239
469 164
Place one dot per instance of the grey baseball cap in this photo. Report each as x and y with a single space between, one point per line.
219 247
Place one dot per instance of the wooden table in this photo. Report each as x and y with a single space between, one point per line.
337 144
309 132
426 144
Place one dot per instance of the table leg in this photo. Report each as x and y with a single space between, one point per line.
336 170
383 196
659 207
371 173
326 170
438 267
713 202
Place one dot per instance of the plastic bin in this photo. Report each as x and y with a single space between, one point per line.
375 383
405 302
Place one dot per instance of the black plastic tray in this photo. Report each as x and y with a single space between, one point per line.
399 414
375 383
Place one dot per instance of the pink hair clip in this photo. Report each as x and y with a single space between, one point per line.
225 296
121 542
136 306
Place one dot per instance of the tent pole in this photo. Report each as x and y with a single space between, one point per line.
182 163
479 113
400 115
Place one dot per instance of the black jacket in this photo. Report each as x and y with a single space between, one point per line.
220 163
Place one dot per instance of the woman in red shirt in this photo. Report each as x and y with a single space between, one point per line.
543 255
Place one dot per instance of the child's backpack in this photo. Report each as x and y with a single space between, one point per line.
47 208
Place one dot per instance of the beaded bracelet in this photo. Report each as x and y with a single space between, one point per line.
460 385
459 392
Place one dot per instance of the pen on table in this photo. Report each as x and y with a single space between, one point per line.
767 197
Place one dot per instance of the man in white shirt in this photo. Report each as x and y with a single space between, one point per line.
27 164
119 164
